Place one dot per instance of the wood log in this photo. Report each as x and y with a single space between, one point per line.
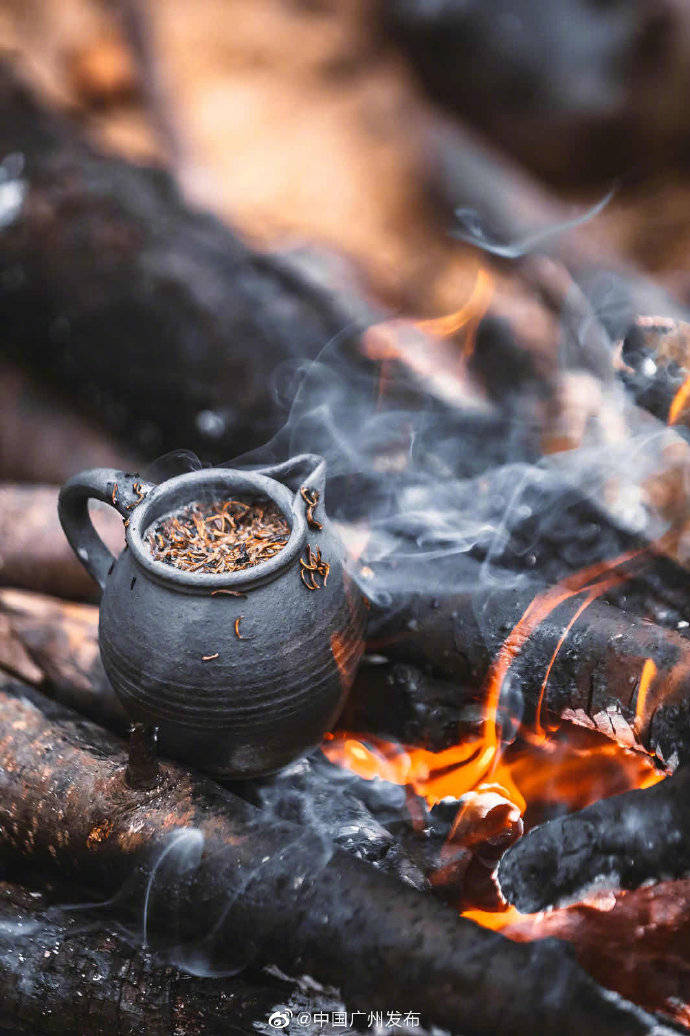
524 87
445 648
167 329
397 702
34 552
240 886
559 652
63 972
155 319
619 842
655 367
637 943
569 259
54 646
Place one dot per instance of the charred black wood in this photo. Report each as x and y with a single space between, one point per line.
655 356
619 842
646 928
593 290
62 972
576 658
54 646
367 819
513 73
155 318
142 771
224 884
403 703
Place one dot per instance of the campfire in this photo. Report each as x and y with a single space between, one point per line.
357 694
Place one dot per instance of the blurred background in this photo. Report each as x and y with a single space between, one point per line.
196 198
309 119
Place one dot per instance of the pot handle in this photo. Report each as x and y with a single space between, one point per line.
305 472
122 490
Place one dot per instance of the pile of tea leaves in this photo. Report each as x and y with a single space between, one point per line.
225 536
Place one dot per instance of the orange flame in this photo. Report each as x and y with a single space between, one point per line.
573 772
587 579
470 313
572 768
679 402
646 677
408 342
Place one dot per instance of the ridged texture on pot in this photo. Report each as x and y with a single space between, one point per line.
265 698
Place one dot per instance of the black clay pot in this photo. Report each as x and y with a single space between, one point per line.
265 698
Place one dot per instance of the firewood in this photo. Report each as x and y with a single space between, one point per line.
525 89
572 657
35 553
54 646
239 886
626 941
63 971
443 650
155 318
51 643
617 843
166 328
654 364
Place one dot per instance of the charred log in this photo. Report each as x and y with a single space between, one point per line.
655 355
61 973
626 941
571 656
619 842
403 703
54 646
520 85
445 649
250 888
156 318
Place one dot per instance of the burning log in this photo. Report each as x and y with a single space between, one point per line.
625 677
59 975
154 317
626 941
225 882
618 842
402 703
53 645
560 653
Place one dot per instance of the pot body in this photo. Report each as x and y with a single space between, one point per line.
235 706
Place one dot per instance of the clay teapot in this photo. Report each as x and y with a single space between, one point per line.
233 707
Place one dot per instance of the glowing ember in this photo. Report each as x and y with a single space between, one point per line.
498 786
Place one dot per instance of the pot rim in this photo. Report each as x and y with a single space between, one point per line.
182 490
